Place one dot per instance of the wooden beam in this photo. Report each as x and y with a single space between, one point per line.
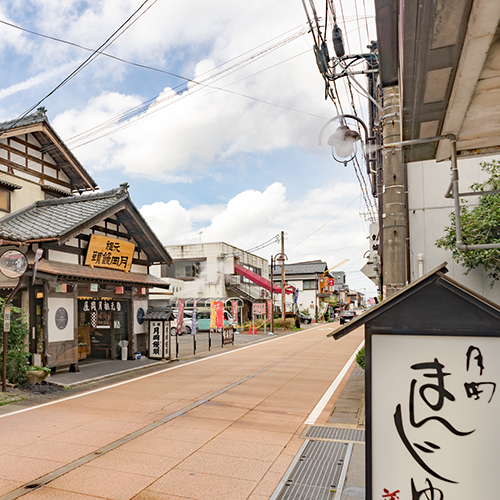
111 231
30 157
34 173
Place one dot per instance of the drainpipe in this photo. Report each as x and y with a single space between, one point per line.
420 259
453 189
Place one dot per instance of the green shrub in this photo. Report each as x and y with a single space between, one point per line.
289 323
360 357
17 355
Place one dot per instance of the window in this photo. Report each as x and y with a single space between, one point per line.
182 269
4 200
309 284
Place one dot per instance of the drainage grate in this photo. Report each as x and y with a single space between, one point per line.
336 434
316 474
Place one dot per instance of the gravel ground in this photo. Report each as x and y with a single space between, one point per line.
42 388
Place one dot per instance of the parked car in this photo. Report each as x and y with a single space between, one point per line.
203 319
304 318
186 324
347 316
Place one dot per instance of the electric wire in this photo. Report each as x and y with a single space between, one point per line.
110 40
148 105
325 224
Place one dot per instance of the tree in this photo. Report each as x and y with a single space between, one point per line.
480 225
17 355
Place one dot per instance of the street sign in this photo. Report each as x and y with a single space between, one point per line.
6 318
259 308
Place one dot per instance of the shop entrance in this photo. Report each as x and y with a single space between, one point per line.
102 327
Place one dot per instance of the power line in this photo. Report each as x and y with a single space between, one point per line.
124 27
325 224
146 110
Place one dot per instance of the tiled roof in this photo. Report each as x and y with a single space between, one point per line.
159 313
312 267
100 274
36 117
54 218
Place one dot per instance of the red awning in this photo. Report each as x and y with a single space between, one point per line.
259 280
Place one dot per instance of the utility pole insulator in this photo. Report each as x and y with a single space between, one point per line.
338 41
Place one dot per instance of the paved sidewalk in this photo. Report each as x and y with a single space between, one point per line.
93 370
349 411
234 444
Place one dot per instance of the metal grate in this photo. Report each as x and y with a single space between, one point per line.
317 472
336 434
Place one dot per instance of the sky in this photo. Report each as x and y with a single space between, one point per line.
215 125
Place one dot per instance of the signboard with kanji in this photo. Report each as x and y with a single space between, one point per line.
109 253
156 339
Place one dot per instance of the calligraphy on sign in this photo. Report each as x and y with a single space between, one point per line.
434 410
155 339
101 305
109 253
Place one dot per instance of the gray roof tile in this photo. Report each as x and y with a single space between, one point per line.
55 218
312 267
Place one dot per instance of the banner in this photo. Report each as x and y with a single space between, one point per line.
269 309
216 315
193 320
234 309
180 315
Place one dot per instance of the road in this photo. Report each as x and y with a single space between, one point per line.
223 427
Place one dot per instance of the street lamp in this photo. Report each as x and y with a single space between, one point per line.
280 257
344 140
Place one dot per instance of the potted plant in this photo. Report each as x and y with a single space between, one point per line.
37 374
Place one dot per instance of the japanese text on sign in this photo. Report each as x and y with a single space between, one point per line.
155 339
101 305
109 253
438 413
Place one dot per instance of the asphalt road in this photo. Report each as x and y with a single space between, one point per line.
220 427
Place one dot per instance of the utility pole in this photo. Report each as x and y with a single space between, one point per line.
283 295
394 197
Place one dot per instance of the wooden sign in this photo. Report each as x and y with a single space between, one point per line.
109 253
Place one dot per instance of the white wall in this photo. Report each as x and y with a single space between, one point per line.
429 215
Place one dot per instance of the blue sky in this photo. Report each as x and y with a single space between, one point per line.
235 159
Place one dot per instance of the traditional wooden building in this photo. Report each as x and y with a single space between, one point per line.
91 286
35 164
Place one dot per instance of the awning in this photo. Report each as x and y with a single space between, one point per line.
100 274
259 280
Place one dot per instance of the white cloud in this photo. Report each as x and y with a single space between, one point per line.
322 224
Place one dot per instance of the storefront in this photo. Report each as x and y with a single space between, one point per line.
87 295
103 326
